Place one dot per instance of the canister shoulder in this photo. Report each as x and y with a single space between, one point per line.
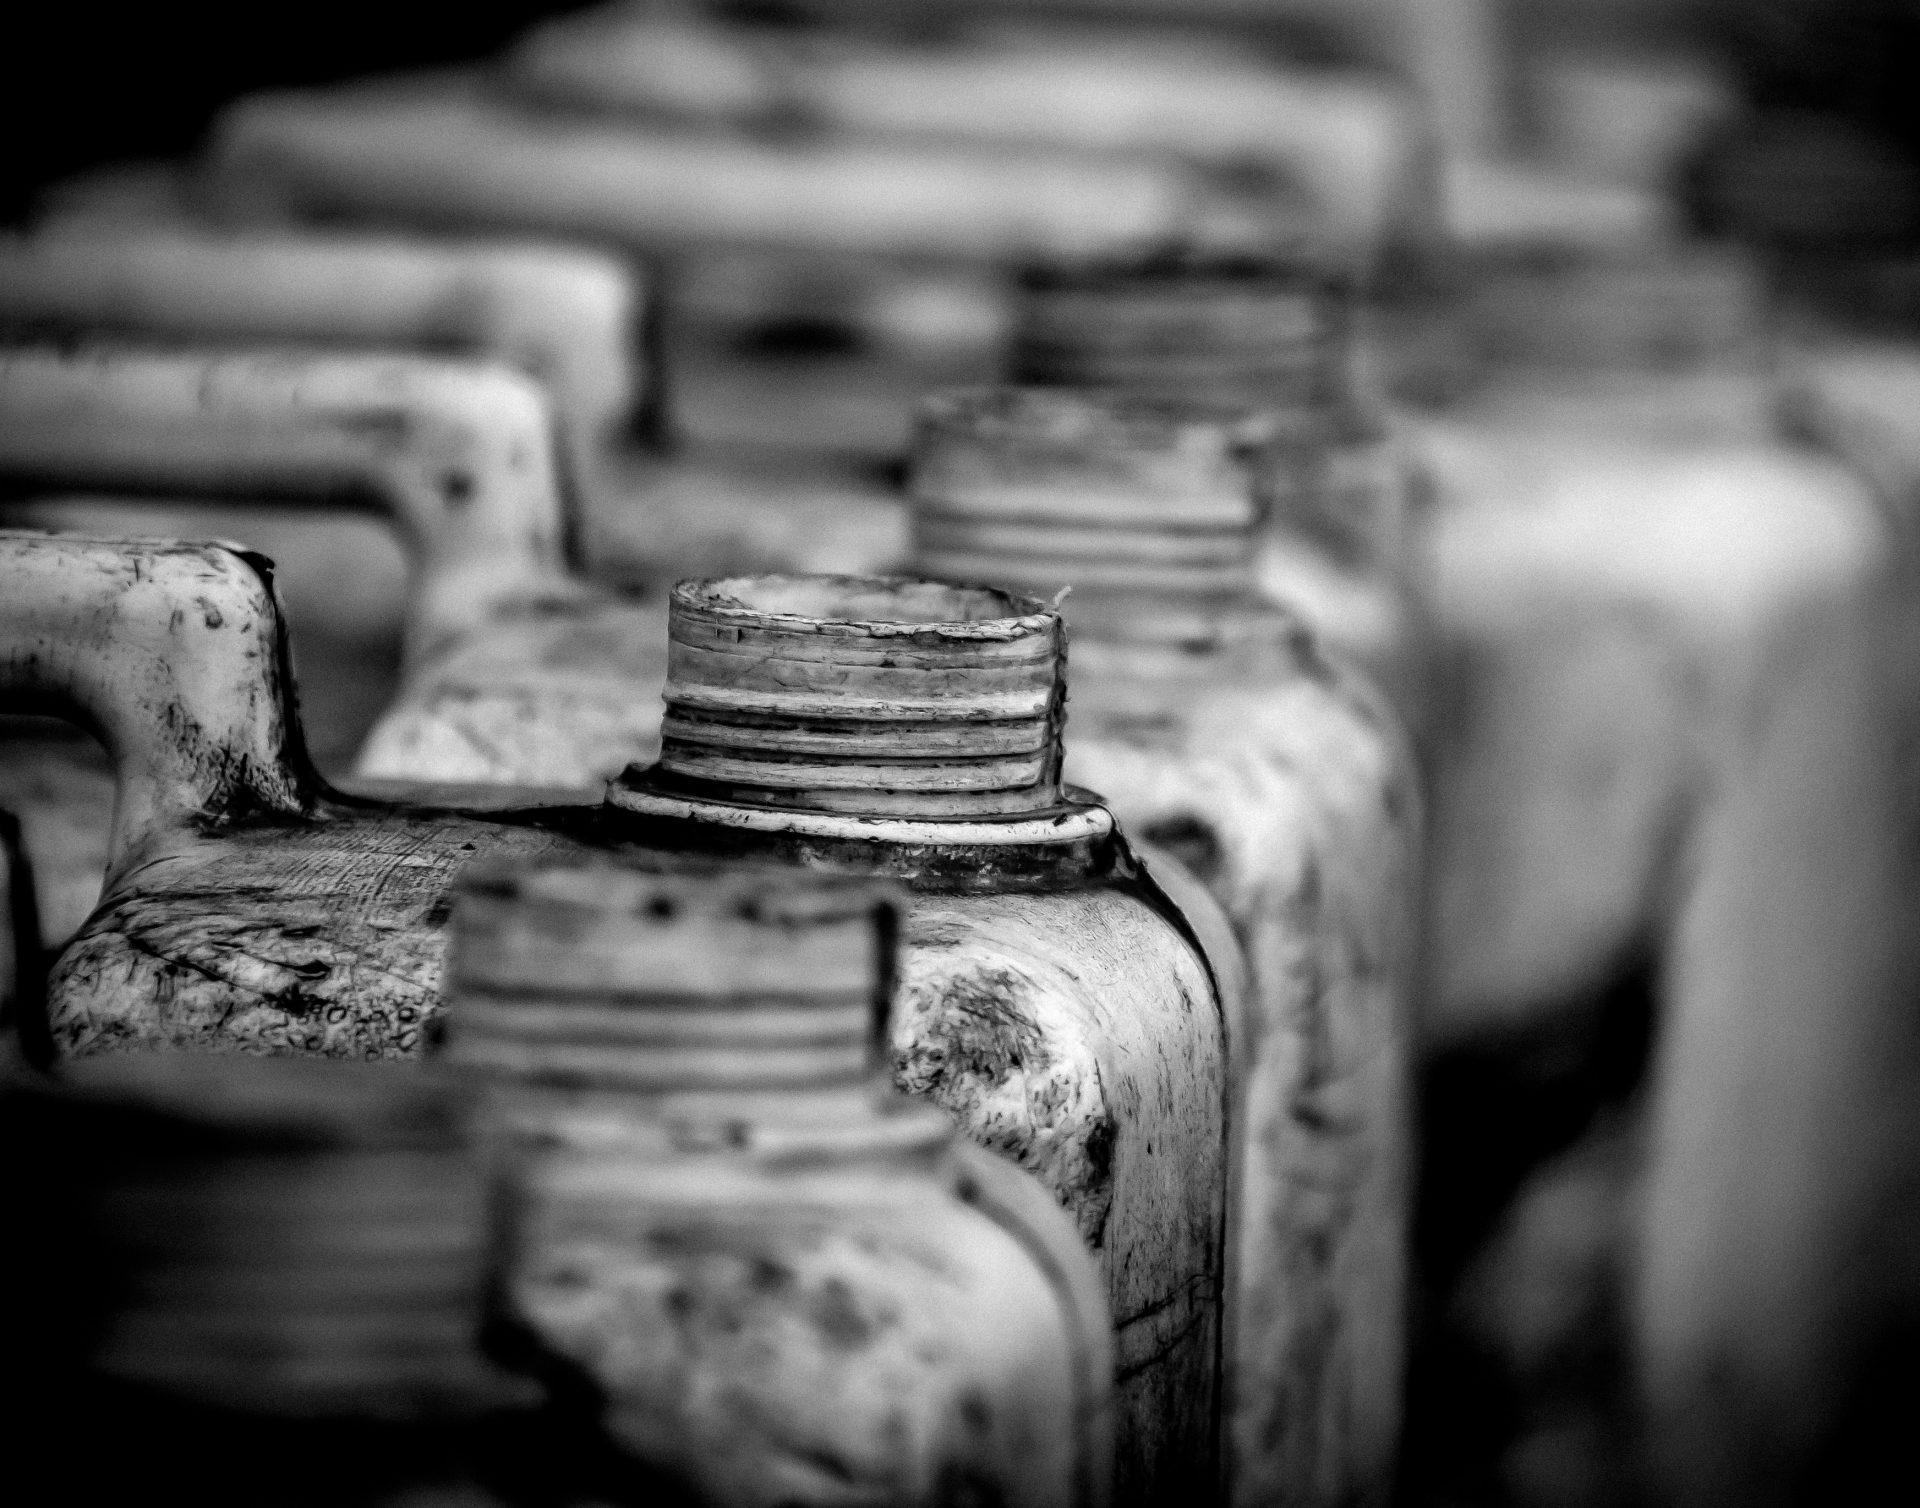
1079 1033
281 936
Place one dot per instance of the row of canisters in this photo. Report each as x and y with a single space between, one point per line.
938 768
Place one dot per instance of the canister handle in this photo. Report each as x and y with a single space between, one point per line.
174 655
459 454
565 315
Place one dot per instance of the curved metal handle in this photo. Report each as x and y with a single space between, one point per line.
460 454
565 315
175 656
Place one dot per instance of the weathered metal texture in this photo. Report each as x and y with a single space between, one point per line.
1214 727
246 907
321 935
789 1284
174 655
869 695
254 911
1287 784
1080 1035
1600 605
1050 999
564 315
1273 340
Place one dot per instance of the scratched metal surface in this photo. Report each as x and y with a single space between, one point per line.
1079 1034
1294 796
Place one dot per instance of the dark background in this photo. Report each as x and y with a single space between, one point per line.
87 81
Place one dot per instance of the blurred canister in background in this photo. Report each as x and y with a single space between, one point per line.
260 1280
1211 722
1268 335
1256 135
786 1281
1053 998
1274 338
1861 401
1850 381
438 154
847 180
1655 340
565 315
1612 532
1775 1295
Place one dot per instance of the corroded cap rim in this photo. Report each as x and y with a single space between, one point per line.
732 600
1078 816
864 694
